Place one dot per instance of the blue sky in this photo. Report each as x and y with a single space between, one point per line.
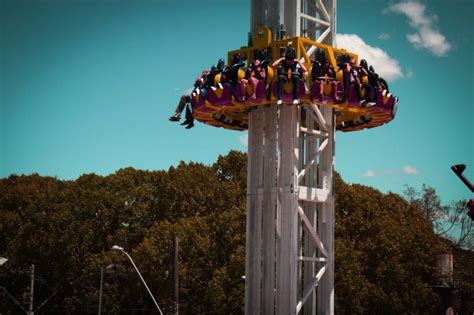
87 86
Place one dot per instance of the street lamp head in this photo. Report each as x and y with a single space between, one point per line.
458 169
117 248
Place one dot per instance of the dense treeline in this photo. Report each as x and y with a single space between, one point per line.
385 245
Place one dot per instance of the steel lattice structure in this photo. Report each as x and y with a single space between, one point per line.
290 207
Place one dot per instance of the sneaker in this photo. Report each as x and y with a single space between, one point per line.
175 117
253 97
279 102
296 102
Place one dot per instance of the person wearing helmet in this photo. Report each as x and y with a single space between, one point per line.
289 69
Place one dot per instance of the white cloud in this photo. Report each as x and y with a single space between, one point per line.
384 36
409 73
369 173
244 139
384 65
426 33
410 170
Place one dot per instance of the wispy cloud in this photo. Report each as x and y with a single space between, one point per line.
409 73
391 173
369 173
426 33
386 66
384 36
176 89
244 139
410 170
188 91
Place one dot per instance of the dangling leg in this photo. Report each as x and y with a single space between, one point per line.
189 114
346 87
189 117
295 80
369 94
321 90
254 82
359 93
334 90
243 87
280 87
179 109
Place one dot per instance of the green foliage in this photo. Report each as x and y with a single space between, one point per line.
384 253
385 245
449 221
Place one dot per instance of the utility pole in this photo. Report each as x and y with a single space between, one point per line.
101 288
176 275
32 287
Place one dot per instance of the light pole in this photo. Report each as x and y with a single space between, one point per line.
120 249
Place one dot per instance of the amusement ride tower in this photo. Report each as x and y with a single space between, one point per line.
289 265
291 140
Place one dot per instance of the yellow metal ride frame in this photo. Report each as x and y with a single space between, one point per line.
304 48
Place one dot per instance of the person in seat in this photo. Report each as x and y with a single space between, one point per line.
322 71
350 76
230 74
215 70
380 82
289 69
185 102
256 72
363 71
377 83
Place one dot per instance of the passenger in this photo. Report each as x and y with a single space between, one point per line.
185 102
349 76
289 68
323 71
363 71
215 70
377 82
343 64
256 73
373 79
230 74
317 69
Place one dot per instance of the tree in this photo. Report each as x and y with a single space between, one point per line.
449 221
385 244
384 253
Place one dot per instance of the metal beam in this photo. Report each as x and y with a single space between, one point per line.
290 206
